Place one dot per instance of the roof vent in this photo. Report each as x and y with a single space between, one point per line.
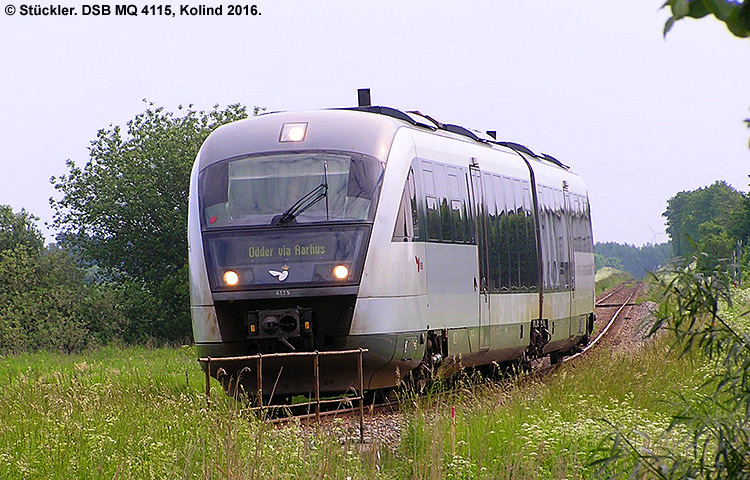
363 97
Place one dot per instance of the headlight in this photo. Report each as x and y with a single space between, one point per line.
231 278
340 272
293 132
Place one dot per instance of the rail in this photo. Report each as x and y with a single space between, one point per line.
626 303
316 373
617 289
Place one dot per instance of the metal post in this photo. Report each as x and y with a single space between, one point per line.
259 377
208 383
361 398
316 372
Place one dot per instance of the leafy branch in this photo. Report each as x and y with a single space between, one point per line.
712 427
735 14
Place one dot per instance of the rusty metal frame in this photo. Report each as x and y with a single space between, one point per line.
316 372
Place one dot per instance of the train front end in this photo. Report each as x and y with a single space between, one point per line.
281 210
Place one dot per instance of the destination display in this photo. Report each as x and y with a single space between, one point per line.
286 256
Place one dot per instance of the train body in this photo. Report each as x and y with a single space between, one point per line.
432 246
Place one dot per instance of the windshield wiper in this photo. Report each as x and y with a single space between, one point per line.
308 200
311 198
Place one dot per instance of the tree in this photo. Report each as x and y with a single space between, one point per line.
689 214
715 241
19 229
44 301
635 260
735 14
126 209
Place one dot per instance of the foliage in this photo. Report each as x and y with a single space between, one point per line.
41 301
713 217
48 301
44 304
125 211
19 229
634 260
735 14
715 423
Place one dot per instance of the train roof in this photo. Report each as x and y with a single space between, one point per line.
364 129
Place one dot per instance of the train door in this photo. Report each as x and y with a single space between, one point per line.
482 282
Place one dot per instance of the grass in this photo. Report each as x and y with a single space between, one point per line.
608 277
530 429
138 413
141 413
133 413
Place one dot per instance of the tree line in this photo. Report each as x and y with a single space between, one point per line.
714 221
709 224
637 261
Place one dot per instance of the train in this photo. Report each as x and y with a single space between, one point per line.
432 246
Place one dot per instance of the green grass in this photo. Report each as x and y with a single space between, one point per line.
608 277
547 430
138 413
141 413
133 413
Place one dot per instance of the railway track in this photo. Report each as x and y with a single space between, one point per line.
626 293
611 307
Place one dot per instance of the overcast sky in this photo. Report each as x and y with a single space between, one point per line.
594 84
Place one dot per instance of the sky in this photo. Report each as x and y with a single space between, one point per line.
594 84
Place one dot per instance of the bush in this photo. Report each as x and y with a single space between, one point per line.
697 308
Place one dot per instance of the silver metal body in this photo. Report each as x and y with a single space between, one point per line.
419 302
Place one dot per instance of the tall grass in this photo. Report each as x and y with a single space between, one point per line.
138 413
529 429
141 413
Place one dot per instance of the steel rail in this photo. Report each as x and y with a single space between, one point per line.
620 288
609 324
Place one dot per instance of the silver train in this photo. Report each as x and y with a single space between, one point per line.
433 246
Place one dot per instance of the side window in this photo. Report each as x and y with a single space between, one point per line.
511 207
432 214
411 184
458 214
493 233
441 188
549 255
464 181
561 234
503 233
407 219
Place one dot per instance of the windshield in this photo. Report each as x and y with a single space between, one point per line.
258 190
